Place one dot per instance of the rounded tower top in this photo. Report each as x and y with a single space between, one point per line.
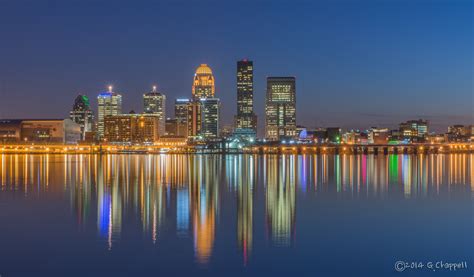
204 69
203 83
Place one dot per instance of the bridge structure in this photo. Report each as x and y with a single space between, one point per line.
375 149
219 148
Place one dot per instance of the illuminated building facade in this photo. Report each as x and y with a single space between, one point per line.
245 118
181 115
40 131
194 118
203 110
210 113
459 133
131 128
10 130
280 108
416 130
155 103
203 83
378 135
181 109
82 114
109 103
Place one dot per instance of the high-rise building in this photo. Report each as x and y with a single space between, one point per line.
203 84
181 116
280 108
210 109
194 118
154 103
131 128
245 118
203 110
181 109
82 114
109 103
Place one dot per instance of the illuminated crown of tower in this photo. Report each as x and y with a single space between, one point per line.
203 84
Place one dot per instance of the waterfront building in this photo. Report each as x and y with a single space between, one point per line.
459 133
378 135
319 135
82 114
414 130
245 118
60 131
280 109
333 134
354 137
203 83
154 103
131 128
109 103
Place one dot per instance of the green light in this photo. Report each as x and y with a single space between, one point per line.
85 99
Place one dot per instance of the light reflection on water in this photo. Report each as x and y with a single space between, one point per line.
189 191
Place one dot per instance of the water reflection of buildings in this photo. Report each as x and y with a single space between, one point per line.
109 199
185 191
281 198
241 173
203 183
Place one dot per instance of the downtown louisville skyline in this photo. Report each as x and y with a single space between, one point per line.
357 65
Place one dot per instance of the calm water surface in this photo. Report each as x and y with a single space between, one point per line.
234 215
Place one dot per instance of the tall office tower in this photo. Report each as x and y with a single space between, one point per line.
210 109
203 83
280 108
245 118
194 118
154 103
109 103
181 116
181 109
82 114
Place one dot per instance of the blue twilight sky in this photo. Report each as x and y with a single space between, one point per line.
357 63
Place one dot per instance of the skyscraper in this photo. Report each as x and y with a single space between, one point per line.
280 108
181 116
203 109
82 114
210 109
155 103
194 118
109 103
245 118
181 109
203 84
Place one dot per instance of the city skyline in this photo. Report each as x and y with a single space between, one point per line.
400 71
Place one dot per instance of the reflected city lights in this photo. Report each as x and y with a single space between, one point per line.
184 193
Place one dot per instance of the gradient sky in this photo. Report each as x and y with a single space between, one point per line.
357 63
